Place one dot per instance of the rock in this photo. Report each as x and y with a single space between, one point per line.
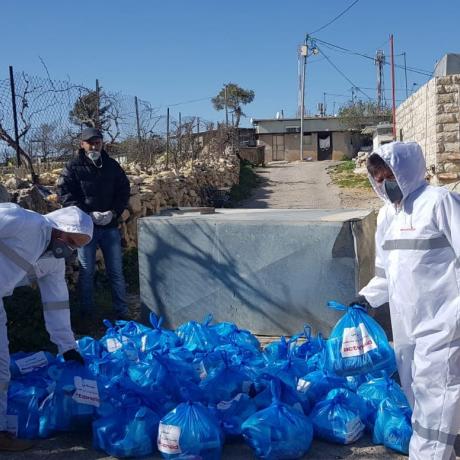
4 195
135 205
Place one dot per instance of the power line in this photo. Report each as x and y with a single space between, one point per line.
357 53
337 17
343 75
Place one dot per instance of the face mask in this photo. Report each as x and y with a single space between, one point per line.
94 155
60 249
393 191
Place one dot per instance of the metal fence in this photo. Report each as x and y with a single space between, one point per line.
41 119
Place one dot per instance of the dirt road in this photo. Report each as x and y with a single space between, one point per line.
305 185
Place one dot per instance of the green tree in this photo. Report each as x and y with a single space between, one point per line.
234 96
359 114
85 111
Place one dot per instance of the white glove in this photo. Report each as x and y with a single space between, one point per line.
97 217
102 218
106 217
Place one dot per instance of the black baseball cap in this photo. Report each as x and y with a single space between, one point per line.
90 133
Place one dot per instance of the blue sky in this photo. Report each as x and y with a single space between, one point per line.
168 52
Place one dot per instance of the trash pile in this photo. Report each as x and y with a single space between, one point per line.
187 392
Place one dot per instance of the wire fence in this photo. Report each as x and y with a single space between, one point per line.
51 114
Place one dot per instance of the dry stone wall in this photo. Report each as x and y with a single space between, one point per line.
431 117
151 191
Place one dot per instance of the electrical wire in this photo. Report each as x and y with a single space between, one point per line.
337 17
343 75
357 53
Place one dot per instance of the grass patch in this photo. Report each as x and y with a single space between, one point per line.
343 176
248 181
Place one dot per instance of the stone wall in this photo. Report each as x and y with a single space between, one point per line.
151 191
431 117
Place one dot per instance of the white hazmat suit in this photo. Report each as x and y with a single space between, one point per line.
418 273
24 239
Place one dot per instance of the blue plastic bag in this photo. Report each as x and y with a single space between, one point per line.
89 348
376 390
225 382
278 432
311 346
317 384
25 363
233 413
358 344
277 350
72 403
393 426
130 432
340 417
288 395
198 337
289 371
190 429
23 413
158 338
240 337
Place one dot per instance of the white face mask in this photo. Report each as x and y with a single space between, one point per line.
94 155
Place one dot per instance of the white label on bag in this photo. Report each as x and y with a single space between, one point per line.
86 392
356 341
113 345
200 369
168 439
32 362
143 342
353 428
303 385
12 424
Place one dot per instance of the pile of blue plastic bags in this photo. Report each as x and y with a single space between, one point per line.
187 392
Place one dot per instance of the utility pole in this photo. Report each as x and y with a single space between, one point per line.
304 53
324 104
167 138
393 94
379 63
226 106
180 135
405 74
136 105
98 104
15 117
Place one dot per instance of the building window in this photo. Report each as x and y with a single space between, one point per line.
292 129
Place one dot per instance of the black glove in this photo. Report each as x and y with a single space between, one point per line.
73 355
361 301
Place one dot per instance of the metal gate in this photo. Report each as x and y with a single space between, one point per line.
278 147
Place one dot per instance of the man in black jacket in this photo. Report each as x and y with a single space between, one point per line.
98 185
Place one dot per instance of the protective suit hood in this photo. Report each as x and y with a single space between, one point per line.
407 162
71 219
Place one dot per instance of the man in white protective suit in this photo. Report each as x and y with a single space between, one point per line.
417 271
35 246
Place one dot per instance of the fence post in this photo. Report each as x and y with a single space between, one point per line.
167 138
138 125
15 116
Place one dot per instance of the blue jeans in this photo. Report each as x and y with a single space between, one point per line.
109 240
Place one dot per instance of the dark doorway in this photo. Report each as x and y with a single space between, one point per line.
324 146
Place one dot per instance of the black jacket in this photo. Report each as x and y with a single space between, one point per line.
90 188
